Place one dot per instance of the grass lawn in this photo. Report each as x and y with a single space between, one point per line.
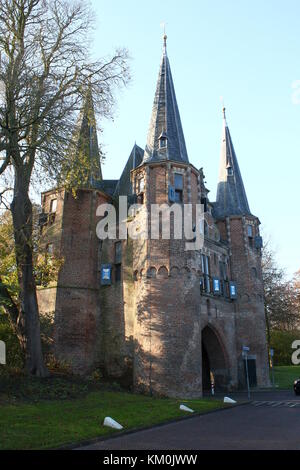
284 376
53 423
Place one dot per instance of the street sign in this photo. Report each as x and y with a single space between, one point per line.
246 349
271 365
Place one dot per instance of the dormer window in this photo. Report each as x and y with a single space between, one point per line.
162 142
229 171
163 139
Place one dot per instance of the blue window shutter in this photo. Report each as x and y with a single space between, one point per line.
171 194
216 285
258 242
233 290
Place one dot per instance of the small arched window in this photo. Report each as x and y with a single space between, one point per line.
162 142
229 171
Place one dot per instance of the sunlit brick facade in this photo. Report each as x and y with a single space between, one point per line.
165 320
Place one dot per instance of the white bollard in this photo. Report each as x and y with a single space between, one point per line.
111 423
229 400
186 408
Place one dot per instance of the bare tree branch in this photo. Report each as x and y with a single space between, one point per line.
44 71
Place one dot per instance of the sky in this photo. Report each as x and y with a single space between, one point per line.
247 52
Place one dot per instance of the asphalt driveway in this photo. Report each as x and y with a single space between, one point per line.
271 421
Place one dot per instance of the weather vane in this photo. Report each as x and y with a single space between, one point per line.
163 26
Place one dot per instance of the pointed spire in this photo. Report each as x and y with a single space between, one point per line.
88 140
231 194
165 136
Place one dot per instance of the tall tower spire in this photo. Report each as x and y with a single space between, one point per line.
87 144
165 136
231 194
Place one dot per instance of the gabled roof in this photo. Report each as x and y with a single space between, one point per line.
165 119
231 194
124 186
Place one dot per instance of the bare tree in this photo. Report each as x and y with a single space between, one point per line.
44 69
280 295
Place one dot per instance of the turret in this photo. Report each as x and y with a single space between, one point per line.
231 194
240 229
86 152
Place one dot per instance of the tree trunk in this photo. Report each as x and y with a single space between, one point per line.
28 322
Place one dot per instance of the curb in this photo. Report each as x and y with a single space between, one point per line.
116 435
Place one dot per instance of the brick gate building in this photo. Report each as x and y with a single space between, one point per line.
168 319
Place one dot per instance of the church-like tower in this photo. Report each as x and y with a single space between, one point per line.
240 229
168 325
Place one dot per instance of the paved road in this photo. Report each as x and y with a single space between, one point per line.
268 422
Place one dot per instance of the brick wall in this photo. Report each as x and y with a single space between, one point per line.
77 321
153 325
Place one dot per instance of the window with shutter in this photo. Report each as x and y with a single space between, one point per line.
178 183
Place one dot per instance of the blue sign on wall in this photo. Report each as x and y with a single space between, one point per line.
233 290
105 274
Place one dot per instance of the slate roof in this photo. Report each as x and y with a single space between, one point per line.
165 119
107 186
124 187
231 194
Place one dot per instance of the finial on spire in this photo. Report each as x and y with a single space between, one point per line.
224 116
224 110
163 25
165 41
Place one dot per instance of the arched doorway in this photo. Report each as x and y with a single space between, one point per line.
214 360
